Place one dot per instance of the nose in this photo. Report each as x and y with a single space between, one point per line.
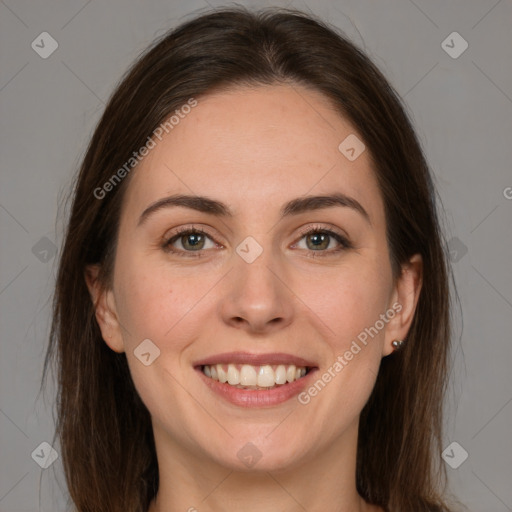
257 296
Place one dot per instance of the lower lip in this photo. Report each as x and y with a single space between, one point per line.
257 398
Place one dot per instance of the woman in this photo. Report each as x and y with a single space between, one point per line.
252 306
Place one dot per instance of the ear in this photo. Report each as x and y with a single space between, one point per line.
105 310
404 299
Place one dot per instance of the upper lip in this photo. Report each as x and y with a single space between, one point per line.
255 359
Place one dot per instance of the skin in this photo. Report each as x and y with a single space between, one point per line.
254 149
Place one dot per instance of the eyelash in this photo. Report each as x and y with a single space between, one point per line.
344 243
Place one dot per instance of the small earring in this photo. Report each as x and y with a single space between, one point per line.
397 344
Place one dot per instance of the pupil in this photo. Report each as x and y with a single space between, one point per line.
318 238
192 237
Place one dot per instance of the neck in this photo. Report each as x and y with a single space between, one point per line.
191 482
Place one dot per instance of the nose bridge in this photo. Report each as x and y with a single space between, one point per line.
257 294
253 267
254 277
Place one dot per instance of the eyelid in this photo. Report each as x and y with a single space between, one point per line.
322 227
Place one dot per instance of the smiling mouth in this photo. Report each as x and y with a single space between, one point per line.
250 377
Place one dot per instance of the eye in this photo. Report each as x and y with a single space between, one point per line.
319 239
192 240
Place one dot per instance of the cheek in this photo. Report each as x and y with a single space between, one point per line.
356 315
352 302
148 304
159 303
352 310
155 307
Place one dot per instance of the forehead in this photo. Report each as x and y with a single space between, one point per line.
256 148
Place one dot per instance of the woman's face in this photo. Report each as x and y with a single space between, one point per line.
253 290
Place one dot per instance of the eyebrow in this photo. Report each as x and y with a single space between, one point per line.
294 207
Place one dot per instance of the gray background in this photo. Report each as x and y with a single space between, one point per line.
462 110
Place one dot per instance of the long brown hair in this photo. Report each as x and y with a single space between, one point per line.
99 413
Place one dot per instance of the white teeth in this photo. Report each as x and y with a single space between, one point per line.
254 377
266 377
221 374
248 375
233 375
281 374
